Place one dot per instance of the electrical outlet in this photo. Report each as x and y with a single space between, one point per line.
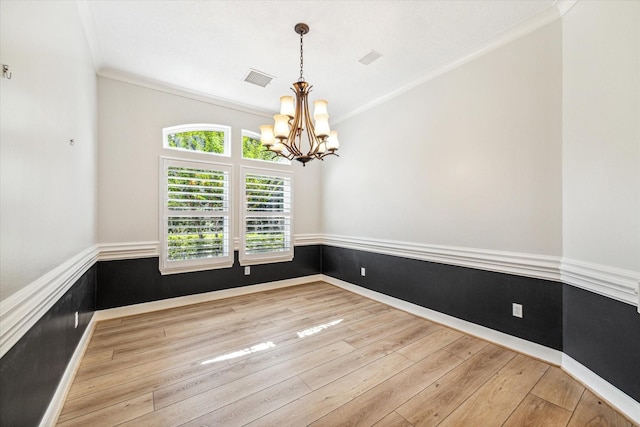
517 310
76 317
247 270
362 271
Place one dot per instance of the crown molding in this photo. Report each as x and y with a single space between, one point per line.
90 33
564 6
133 79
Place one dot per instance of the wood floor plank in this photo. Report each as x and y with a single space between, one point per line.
537 412
197 338
559 388
254 406
411 329
114 415
436 402
97 357
209 400
371 406
134 337
112 377
592 411
466 346
302 322
180 352
185 389
494 402
431 343
393 420
166 317
78 403
318 403
332 370
208 323
377 320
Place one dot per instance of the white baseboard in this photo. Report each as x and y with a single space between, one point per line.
517 344
611 394
147 307
55 406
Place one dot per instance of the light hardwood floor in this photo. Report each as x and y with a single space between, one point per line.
313 355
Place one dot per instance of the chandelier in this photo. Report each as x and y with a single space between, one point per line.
285 136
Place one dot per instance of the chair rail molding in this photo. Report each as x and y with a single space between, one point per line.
616 283
21 310
128 250
520 264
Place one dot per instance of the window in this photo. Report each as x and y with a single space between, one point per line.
196 223
267 216
253 149
200 138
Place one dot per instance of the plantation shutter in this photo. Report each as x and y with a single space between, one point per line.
196 220
267 216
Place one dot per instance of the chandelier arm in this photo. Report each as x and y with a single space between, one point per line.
311 136
294 132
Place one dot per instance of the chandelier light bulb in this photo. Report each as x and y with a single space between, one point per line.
319 108
287 107
332 141
266 135
322 125
281 127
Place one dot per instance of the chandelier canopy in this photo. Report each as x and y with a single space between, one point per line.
285 136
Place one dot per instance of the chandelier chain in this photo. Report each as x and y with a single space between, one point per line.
301 79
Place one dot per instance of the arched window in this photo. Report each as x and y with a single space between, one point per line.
200 138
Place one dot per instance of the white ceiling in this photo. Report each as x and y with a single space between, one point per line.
208 46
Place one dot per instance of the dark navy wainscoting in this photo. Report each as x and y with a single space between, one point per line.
134 281
478 296
31 371
604 335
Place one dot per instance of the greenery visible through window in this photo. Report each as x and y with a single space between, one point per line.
202 138
252 148
196 216
207 141
195 190
266 216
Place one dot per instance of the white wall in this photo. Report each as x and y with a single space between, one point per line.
131 120
601 133
47 186
471 158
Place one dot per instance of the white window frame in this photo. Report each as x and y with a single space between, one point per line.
181 266
268 257
255 135
197 127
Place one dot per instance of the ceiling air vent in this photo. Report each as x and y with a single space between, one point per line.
370 57
258 78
